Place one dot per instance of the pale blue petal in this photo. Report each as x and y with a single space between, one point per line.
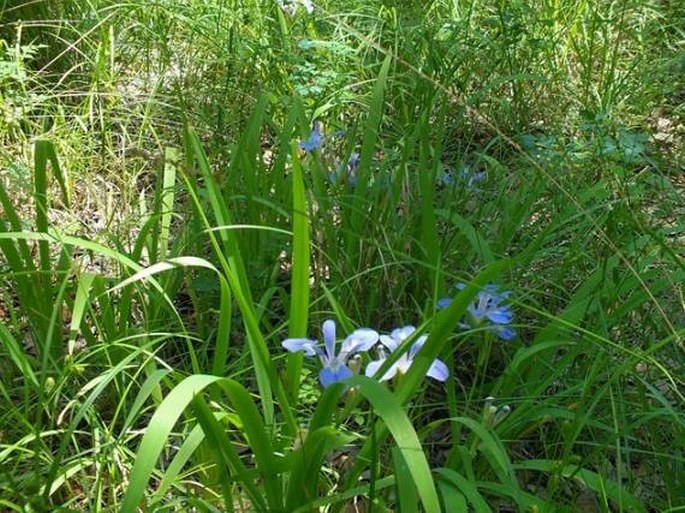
506 333
305 345
361 339
479 177
315 138
444 303
308 5
389 342
491 288
353 163
329 375
402 334
416 346
372 370
500 316
373 367
329 338
438 370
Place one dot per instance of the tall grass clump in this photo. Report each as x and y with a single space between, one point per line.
300 256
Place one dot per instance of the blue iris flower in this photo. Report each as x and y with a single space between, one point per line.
438 370
335 367
487 306
315 138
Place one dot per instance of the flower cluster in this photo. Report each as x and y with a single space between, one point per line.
487 311
335 366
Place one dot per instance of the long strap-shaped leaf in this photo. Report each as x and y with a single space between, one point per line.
171 409
299 289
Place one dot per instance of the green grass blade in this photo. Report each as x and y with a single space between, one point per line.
479 244
492 448
299 287
149 386
221 349
466 487
167 199
373 122
181 458
303 487
260 443
155 438
85 282
407 498
18 356
232 264
223 451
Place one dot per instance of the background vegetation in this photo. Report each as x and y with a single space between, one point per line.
162 232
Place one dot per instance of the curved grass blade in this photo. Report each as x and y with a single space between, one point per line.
170 410
492 448
80 302
478 242
304 474
18 356
221 350
407 498
466 487
155 438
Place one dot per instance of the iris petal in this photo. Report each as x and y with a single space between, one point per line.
389 342
487 305
438 370
444 303
361 339
372 370
500 316
506 333
329 375
329 338
305 345
373 367
315 138
402 334
416 346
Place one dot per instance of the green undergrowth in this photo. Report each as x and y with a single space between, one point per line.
168 218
